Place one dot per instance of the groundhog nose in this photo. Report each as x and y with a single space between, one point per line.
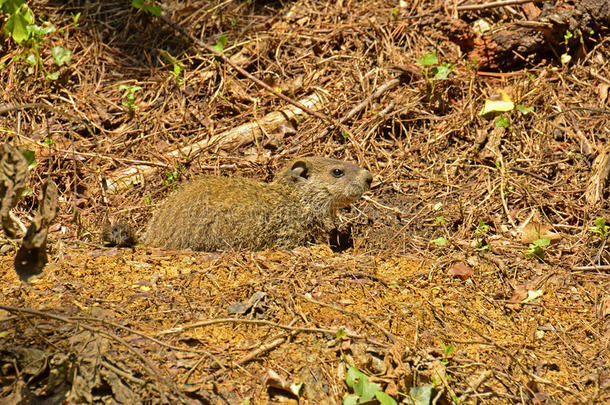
368 178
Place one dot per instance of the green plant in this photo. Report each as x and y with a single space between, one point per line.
171 177
220 44
440 241
600 230
148 6
536 248
22 28
565 57
440 221
432 72
502 121
129 96
177 66
75 18
364 390
448 351
30 158
481 232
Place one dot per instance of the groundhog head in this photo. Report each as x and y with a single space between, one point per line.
326 182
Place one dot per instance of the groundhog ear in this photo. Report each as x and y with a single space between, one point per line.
299 169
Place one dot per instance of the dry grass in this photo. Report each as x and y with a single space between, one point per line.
439 169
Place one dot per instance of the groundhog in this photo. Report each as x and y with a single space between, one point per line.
221 213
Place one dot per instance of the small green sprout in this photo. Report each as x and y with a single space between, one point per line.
220 44
440 221
600 230
75 18
536 248
61 55
148 6
440 242
364 390
129 96
502 121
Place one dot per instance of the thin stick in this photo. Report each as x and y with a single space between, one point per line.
601 267
495 4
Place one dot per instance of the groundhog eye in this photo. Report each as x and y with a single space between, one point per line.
338 172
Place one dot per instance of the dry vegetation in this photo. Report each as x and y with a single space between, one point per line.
168 327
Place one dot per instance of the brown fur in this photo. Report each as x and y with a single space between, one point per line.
221 213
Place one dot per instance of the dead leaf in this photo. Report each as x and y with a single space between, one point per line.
534 230
13 175
461 270
32 255
519 295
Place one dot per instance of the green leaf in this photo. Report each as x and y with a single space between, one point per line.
30 158
220 44
440 241
524 110
565 59
53 76
75 18
39 32
442 72
542 242
448 350
352 375
384 399
502 122
493 106
600 222
11 6
31 59
149 7
351 399
366 389
429 59
341 333
16 26
155 10
61 55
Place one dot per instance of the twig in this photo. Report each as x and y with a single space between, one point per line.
209 322
495 4
252 355
601 267
534 175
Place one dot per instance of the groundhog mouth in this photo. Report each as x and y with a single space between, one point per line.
348 198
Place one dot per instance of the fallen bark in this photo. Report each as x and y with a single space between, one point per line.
540 36
239 136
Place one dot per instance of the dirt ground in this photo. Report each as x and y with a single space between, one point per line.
474 271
